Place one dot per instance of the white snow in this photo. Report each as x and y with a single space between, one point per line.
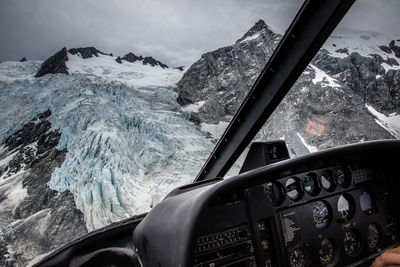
193 107
133 74
216 130
309 147
127 138
249 38
323 78
388 67
390 123
363 42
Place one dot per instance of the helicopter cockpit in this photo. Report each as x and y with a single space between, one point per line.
335 207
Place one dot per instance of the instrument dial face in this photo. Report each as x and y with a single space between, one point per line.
327 253
351 243
366 203
311 184
343 177
328 181
273 192
321 214
345 207
294 188
374 236
297 258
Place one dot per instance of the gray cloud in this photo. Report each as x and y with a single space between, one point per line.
176 32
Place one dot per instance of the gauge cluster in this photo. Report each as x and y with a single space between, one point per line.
333 216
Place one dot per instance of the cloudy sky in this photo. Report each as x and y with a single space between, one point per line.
176 32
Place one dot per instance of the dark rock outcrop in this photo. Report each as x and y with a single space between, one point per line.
152 62
324 111
385 49
44 219
54 64
87 52
131 57
395 48
179 68
223 77
23 59
118 60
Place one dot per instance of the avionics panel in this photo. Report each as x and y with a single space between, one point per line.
334 216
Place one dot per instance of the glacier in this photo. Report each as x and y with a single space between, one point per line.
128 141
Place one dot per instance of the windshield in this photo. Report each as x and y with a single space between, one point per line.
93 135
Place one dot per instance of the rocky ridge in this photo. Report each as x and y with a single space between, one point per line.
56 63
331 95
34 219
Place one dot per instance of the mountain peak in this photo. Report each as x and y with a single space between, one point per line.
258 28
87 52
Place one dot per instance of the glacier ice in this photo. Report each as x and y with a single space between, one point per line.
126 137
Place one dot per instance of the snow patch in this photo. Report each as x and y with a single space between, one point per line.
133 74
309 147
323 78
390 123
252 37
194 107
216 130
388 67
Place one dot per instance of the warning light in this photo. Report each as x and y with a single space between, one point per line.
218 254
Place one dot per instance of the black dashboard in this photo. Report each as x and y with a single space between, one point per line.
337 207
332 208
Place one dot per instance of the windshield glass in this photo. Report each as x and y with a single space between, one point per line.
106 107
349 93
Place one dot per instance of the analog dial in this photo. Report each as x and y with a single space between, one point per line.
321 214
328 181
343 177
311 184
294 189
327 252
273 192
351 243
297 258
345 207
374 237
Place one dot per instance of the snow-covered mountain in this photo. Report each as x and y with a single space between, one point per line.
88 138
349 93
124 142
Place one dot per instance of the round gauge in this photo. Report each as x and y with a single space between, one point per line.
311 184
297 258
390 228
320 214
327 252
294 189
328 180
273 192
366 203
343 177
345 207
351 243
374 236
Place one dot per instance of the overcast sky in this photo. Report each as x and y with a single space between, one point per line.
175 32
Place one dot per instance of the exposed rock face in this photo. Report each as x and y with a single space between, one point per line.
359 74
43 219
87 52
131 57
151 61
54 64
23 59
226 74
118 60
179 68
326 106
395 48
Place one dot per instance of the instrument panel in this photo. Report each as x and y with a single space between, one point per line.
333 216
